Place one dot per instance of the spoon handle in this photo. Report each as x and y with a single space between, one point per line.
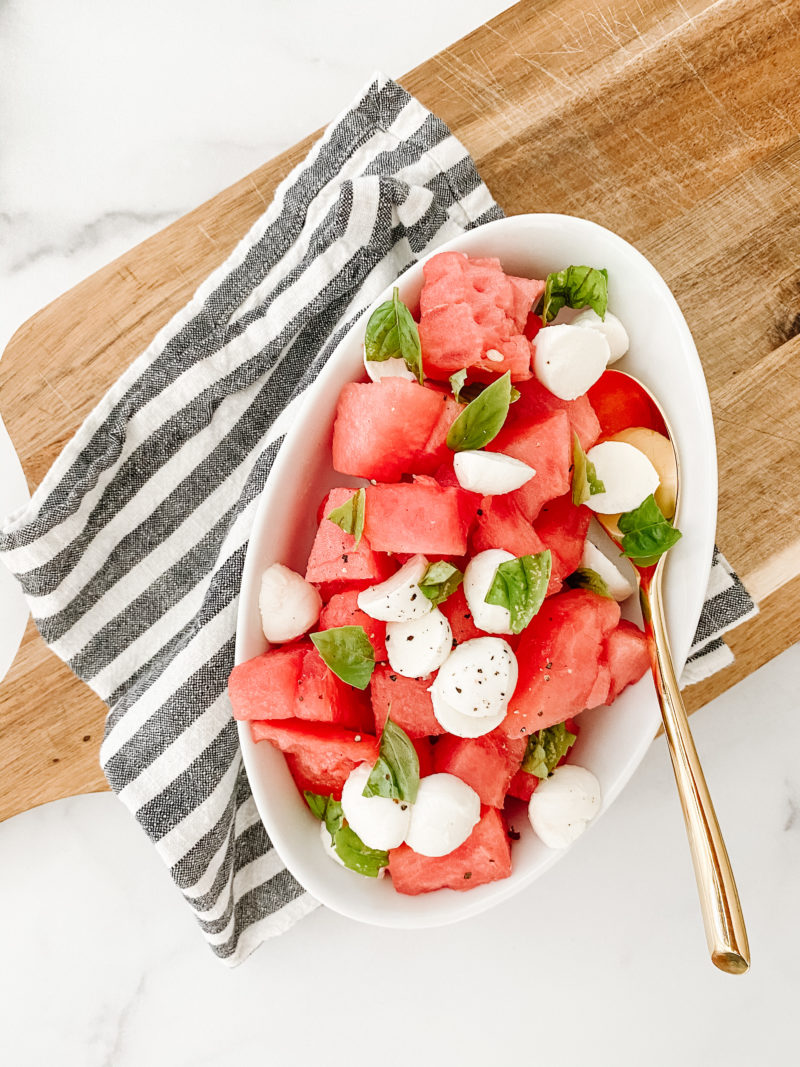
719 898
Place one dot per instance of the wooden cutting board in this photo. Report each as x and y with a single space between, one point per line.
678 126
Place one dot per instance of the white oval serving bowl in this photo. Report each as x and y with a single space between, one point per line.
612 740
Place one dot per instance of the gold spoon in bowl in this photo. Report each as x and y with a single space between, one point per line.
719 898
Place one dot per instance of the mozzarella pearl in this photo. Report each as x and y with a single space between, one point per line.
627 474
289 605
661 454
567 360
563 805
327 845
618 585
387 368
478 677
399 598
461 725
490 473
444 814
420 646
378 821
478 578
610 327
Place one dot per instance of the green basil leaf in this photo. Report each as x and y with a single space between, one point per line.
586 578
440 581
396 771
546 749
348 652
350 515
457 382
647 534
326 809
354 854
585 482
393 334
482 419
473 390
520 586
575 287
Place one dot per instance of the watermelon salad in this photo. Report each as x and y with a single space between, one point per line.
460 606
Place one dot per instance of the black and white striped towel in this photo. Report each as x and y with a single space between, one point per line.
131 550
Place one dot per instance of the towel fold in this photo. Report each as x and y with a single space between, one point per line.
131 551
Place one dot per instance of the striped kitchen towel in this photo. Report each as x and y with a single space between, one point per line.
131 550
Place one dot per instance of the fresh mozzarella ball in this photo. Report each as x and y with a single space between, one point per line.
460 725
610 327
478 578
420 646
387 368
399 598
289 605
478 677
490 473
618 585
443 816
661 454
563 805
627 474
378 821
327 845
568 360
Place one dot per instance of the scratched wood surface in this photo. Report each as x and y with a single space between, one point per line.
678 126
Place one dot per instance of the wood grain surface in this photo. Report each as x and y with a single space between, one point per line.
677 125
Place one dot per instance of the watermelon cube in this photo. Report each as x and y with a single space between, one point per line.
486 763
382 427
501 524
342 610
484 857
628 656
320 756
334 557
456 610
421 516
545 443
562 528
266 686
535 401
324 697
558 656
407 699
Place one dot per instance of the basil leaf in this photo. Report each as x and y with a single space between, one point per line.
350 515
457 382
393 334
440 581
575 287
546 749
585 482
520 586
348 652
473 390
586 578
647 533
396 771
326 809
483 418
354 854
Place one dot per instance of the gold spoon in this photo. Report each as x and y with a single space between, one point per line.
719 898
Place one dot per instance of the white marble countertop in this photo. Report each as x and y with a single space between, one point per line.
117 120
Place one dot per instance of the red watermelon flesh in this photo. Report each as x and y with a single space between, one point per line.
484 857
436 451
558 658
563 527
320 756
545 443
619 403
334 556
408 700
486 763
535 401
600 689
324 697
424 750
422 516
628 657
501 524
457 612
267 684
342 610
382 427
